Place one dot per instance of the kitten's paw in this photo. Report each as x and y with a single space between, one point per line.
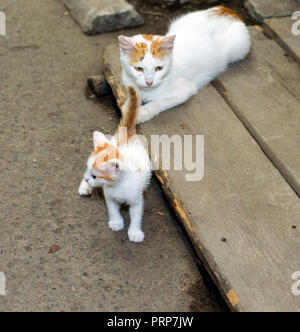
116 225
136 235
85 189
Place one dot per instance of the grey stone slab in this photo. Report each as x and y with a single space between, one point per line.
243 217
287 33
264 91
262 9
99 16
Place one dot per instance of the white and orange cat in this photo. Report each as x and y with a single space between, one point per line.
170 69
121 166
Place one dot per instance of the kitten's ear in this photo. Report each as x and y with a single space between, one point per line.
126 44
168 43
113 167
99 140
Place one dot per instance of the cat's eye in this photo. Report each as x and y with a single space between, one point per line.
138 68
94 177
159 68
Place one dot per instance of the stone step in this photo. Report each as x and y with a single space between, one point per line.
99 16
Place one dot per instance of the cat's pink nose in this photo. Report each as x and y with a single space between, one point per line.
149 82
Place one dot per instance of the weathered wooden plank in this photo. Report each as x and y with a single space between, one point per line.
262 9
281 29
243 218
264 92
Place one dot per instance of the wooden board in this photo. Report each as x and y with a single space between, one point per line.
264 92
243 217
281 30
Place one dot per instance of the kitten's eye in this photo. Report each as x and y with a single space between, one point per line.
94 177
138 68
159 68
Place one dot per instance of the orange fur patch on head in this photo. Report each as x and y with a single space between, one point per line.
156 50
106 154
224 11
139 52
99 149
148 37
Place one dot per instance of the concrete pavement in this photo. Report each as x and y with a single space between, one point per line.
46 125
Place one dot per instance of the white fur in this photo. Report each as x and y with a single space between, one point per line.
131 178
205 45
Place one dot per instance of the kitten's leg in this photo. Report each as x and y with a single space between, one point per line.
135 232
150 110
116 221
85 189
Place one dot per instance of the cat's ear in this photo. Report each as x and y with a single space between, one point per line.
126 44
113 167
168 43
99 140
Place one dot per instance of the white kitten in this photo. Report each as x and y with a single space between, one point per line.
122 167
171 69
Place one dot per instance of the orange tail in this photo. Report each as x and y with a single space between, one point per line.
130 113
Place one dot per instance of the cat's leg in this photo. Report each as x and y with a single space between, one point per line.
135 232
116 221
85 189
150 110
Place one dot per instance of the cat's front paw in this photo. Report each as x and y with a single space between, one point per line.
85 189
136 235
116 225
145 114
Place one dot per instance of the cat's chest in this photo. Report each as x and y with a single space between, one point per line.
121 193
148 95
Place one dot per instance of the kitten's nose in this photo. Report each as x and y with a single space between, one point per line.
149 82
